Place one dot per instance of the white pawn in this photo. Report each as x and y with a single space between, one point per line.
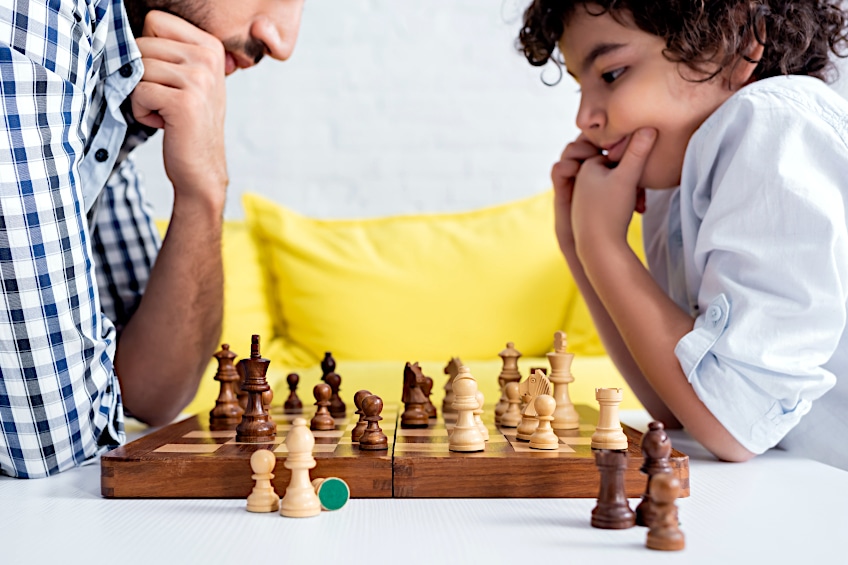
478 416
300 500
263 498
512 417
466 435
544 436
608 434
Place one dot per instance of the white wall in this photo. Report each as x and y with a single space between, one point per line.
392 106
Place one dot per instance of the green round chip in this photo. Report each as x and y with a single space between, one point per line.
333 493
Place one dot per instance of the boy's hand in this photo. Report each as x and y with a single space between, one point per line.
604 197
182 91
563 174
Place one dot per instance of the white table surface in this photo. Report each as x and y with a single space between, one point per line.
774 509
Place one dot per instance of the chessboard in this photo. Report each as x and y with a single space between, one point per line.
188 460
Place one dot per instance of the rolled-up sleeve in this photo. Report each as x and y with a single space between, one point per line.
765 231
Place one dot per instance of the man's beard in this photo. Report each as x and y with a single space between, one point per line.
191 11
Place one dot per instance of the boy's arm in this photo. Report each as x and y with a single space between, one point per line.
562 175
649 322
166 345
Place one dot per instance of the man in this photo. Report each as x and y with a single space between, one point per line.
90 325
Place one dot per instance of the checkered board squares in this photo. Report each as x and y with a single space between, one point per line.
188 460
508 467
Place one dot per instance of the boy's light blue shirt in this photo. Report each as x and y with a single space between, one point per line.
754 244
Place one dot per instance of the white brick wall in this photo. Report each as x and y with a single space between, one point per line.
392 106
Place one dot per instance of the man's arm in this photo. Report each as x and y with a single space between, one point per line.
165 347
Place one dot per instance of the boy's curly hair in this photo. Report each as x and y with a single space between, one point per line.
708 35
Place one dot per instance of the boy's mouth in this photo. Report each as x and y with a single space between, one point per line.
614 152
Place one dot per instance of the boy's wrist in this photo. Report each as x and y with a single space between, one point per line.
599 246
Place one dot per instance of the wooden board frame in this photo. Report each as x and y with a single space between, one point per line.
187 460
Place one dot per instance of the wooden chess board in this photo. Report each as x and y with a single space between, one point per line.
187 460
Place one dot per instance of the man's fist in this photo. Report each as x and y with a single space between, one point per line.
182 91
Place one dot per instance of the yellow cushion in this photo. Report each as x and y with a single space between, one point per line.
415 287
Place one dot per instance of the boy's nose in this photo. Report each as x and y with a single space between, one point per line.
590 116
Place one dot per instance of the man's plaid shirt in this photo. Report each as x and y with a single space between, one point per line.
76 237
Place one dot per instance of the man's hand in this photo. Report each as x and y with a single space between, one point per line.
182 91
563 175
604 197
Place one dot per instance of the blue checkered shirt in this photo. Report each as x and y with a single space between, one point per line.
76 236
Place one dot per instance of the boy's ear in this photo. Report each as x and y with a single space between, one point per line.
742 72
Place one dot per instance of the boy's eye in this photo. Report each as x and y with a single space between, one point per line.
611 76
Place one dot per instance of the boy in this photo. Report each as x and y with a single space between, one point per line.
719 110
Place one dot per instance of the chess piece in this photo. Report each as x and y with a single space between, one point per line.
414 415
534 385
241 393
300 500
227 412
451 370
565 415
337 406
293 405
544 436
512 417
478 416
427 389
328 365
263 498
267 398
612 511
656 450
333 492
256 424
466 435
608 434
322 420
373 438
509 373
357 431
665 532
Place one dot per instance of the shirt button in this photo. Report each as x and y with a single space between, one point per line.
126 71
101 155
714 314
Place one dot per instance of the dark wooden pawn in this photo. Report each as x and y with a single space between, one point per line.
373 438
665 531
328 365
256 424
293 405
656 450
414 415
612 511
357 431
427 389
227 413
338 409
322 421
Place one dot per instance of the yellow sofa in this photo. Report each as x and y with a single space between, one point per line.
380 292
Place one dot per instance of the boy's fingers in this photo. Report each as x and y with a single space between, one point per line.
633 161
